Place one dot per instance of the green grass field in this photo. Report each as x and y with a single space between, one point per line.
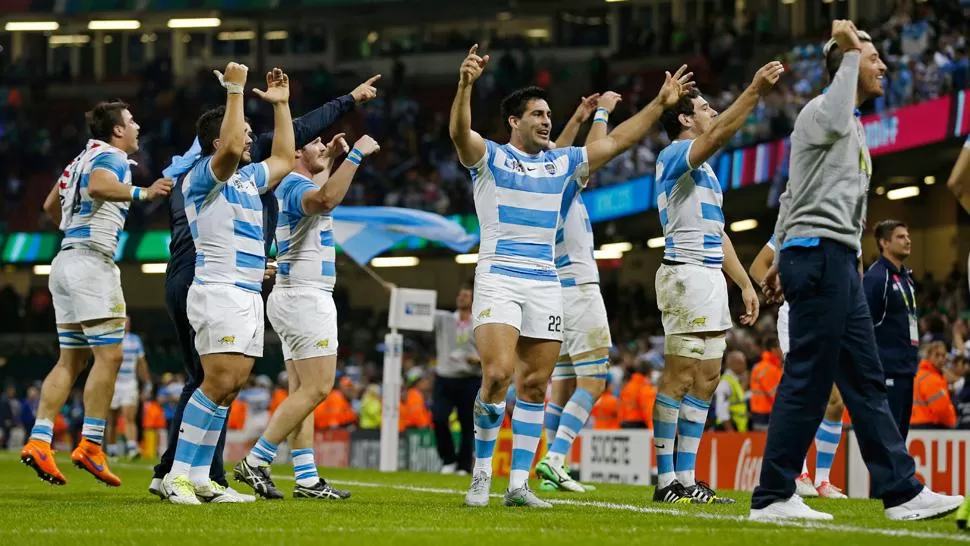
408 508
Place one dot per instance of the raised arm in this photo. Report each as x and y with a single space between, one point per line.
333 191
728 122
604 107
469 144
335 148
634 129
579 117
959 181
309 126
232 134
283 157
732 266
834 114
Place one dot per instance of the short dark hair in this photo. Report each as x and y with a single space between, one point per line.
467 285
884 231
833 55
104 117
516 103
670 118
208 128
770 343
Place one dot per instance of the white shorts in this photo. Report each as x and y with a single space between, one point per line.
692 299
226 319
586 331
125 395
85 285
782 324
533 307
306 321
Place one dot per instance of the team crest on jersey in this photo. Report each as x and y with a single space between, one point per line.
227 340
323 343
699 321
487 313
514 165
550 168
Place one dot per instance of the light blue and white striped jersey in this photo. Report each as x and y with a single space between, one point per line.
518 197
87 222
226 221
689 200
133 350
307 253
574 242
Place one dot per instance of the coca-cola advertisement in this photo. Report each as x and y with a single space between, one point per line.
732 460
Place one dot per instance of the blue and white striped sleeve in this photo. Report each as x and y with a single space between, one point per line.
290 193
114 163
579 164
675 159
259 173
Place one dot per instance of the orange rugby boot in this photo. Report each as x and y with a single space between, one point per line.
89 456
39 456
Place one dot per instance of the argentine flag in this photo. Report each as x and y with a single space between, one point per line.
365 232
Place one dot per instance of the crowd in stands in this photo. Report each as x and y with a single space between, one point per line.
923 44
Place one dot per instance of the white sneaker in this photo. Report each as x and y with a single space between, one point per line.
792 508
156 489
242 497
217 494
179 490
804 487
928 504
828 491
479 490
449 468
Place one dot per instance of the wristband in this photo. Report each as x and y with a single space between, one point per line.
602 114
355 156
138 194
231 88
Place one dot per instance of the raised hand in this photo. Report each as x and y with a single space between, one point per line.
472 67
586 108
767 76
235 74
609 100
337 146
277 87
367 146
845 34
675 86
366 91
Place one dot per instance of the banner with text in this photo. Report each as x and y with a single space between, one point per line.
942 462
732 460
617 456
